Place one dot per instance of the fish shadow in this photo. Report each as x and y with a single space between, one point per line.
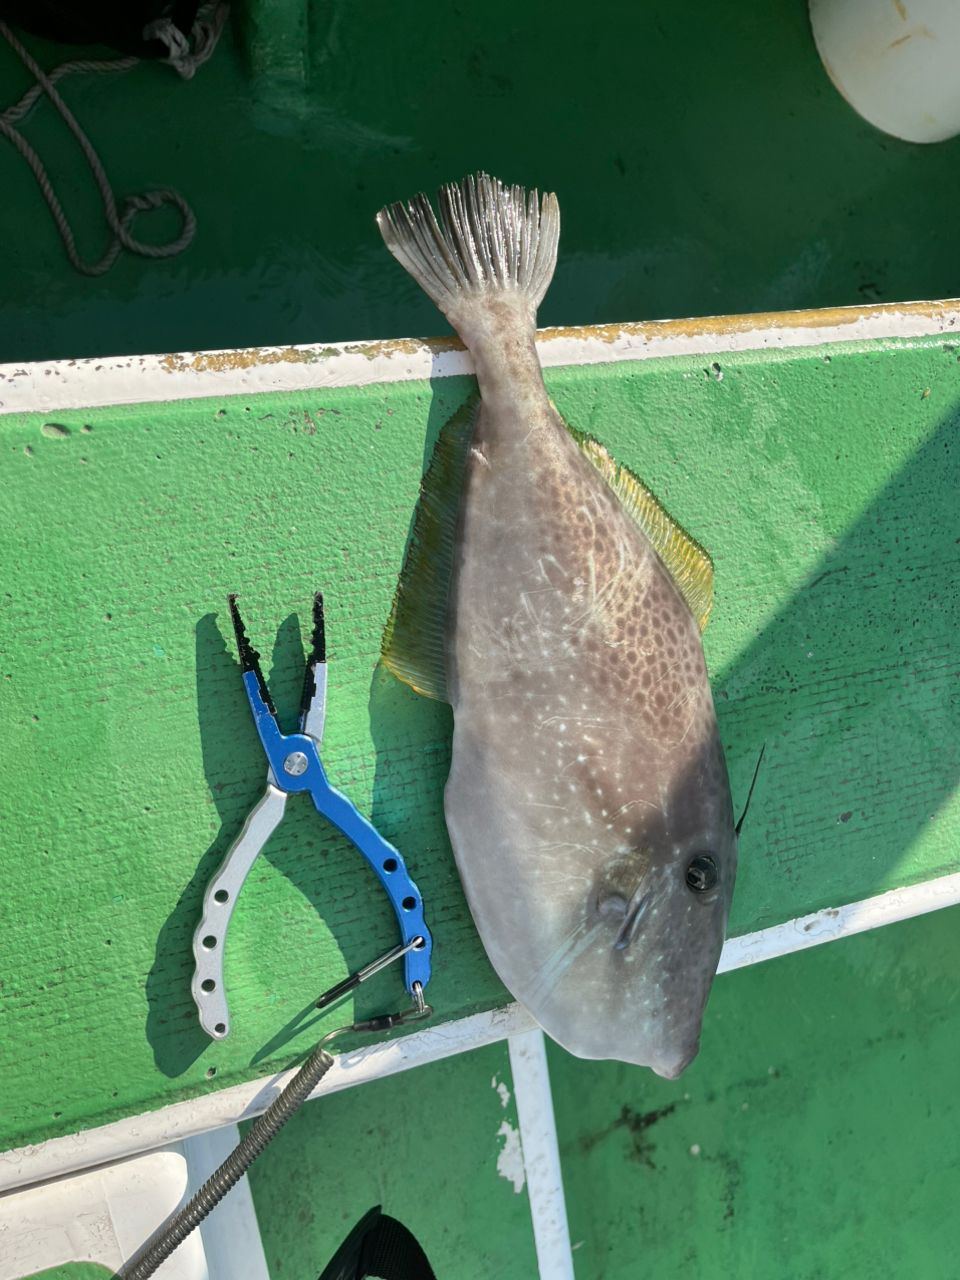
407 804
852 685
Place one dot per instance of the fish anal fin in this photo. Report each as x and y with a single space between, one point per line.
686 561
414 641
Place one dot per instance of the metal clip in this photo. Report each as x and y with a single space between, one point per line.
384 1021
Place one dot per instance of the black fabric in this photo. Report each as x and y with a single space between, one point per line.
116 23
378 1246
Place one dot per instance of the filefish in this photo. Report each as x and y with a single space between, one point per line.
551 600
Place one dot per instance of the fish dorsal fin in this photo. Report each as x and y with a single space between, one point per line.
414 642
687 562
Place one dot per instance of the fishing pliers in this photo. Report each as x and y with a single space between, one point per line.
294 765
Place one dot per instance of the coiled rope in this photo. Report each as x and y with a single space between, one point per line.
185 57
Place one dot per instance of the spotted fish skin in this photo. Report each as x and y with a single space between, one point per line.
588 789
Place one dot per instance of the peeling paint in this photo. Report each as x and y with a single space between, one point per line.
510 1157
390 347
58 385
749 322
258 357
502 1090
246 358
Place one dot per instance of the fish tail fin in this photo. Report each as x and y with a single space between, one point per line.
491 239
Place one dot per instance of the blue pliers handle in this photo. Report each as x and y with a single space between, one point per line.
294 766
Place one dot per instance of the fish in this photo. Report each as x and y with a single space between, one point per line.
554 603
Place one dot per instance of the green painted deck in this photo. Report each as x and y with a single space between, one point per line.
814 1138
457 1144
724 178
833 641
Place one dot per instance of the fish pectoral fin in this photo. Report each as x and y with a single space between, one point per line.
414 641
686 561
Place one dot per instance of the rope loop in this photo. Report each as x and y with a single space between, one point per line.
185 57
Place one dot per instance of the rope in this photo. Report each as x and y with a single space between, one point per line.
118 220
14 114
187 53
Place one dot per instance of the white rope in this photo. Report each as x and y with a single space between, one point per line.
187 53
14 114
185 57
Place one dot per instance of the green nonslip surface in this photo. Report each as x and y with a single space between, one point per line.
438 1148
704 165
815 1138
130 757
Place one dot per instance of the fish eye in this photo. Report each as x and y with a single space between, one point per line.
702 873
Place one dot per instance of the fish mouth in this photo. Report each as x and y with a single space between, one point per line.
672 1070
634 913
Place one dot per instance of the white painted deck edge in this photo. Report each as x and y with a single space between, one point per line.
62 385
833 923
57 1156
541 1154
231 1236
183 1120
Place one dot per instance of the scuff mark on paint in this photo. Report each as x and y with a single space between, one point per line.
637 1125
510 1157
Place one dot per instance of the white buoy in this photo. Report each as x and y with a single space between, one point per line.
897 62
